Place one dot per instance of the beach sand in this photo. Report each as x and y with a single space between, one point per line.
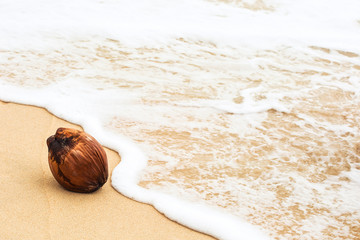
34 206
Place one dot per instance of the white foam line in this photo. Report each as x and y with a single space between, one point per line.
31 22
243 108
194 215
125 176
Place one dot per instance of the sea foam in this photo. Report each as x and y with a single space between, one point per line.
58 100
238 119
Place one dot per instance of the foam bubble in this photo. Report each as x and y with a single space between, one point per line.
243 113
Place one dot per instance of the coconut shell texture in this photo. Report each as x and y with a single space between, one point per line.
77 161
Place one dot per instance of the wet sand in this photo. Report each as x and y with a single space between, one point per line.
34 206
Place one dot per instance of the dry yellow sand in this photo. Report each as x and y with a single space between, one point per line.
34 206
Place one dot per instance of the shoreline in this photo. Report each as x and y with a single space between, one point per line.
35 206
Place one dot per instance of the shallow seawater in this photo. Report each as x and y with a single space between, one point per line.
268 133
